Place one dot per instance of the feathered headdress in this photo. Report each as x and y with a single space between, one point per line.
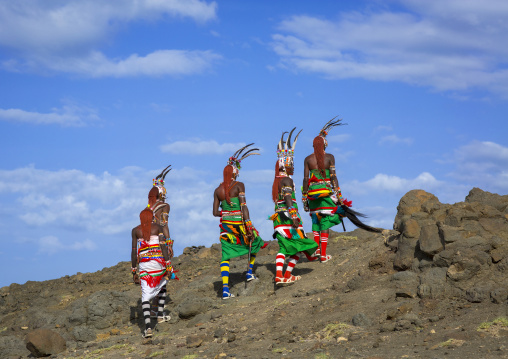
235 160
286 150
159 181
329 125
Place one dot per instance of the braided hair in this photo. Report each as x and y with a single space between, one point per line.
319 152
227 179
146 217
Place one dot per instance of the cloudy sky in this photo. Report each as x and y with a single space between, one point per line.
96 97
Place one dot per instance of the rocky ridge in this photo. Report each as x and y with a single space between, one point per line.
435 285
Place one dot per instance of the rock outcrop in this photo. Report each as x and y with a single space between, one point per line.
459 249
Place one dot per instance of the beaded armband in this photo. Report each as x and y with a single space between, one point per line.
164 218
304 196
248 225
169 242
134 270
241 197
339 193
286 190
293 212
169 267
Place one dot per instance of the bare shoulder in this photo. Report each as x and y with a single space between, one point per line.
241 186
286 181
162 207
330 159
156 229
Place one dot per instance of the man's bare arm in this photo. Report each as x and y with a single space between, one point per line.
243 201
216 204
163 247
305 176
286 186
333 174
134 256
134 250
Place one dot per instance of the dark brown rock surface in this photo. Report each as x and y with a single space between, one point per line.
434 287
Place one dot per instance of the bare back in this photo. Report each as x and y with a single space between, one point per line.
310 164
155 230
311 161
234 191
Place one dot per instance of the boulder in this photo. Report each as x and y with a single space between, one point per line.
429 239
412 202
405 253
361 320
193 307
449 234
463 269
83 334
432 283
406 284
498 202
44 342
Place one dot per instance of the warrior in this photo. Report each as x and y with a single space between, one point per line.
287 223
157 201
154 266
238 236
321 193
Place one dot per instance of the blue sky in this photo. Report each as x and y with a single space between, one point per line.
96 97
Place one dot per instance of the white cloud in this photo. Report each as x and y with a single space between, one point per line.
199 147
105 204
482 164
397 185
383 128
74 199
338 138
64 36
394 139
42 26
376 216
68 115
453 46
52 245
483 151
157 63
256 177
